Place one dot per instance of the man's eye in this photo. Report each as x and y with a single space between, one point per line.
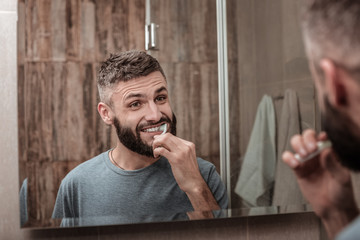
161 98
135 105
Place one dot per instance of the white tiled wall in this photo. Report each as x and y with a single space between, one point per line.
8 5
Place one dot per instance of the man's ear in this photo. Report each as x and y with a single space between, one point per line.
335 85
106 113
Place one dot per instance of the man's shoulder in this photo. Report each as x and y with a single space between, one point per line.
206 168
204 164
87 168
352 232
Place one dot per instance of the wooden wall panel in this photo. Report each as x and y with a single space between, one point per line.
38 24
135 22
72 20
58 30
187 31
60 49
188 53
119 26
88 31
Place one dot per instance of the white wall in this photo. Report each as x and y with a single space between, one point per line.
9 212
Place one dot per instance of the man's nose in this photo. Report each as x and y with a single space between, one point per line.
153 112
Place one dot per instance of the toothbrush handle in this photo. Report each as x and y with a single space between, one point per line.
321 146
308 157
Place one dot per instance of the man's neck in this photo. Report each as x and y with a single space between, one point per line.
126 159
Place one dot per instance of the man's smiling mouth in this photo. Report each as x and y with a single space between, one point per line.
160 128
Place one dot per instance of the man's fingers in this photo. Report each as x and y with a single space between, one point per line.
310 140
298 145
172 143
161 151
290 160
322 136
306 143
165 141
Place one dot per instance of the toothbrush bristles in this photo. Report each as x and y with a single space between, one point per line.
165 129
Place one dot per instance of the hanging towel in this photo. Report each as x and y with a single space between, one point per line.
286 189
256 179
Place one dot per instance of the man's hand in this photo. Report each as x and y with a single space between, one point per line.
324 182
182 158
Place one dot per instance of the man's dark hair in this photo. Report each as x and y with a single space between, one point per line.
124 66
332 30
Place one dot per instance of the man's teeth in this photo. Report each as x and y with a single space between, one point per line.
154 129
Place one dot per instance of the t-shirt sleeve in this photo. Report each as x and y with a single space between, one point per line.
64 202
351 232
214 182
217 188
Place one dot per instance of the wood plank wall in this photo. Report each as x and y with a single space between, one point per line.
61 44
188 53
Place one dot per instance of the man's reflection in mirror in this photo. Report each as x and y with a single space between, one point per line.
150 172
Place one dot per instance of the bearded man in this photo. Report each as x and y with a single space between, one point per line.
151 174
331 30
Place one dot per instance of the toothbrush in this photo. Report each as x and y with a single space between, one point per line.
164 127
321 146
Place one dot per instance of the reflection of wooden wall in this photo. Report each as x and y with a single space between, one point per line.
188 54
61 44
266 56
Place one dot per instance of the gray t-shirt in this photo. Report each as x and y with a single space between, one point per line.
351 232
96 193
23 203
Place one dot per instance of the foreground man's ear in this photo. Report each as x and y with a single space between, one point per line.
335 83
106 113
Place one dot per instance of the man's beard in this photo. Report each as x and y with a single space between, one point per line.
344 135
134 142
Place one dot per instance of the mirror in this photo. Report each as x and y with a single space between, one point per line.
271 98
62 43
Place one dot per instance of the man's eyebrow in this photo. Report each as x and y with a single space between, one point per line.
140 95
160 89
134 95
